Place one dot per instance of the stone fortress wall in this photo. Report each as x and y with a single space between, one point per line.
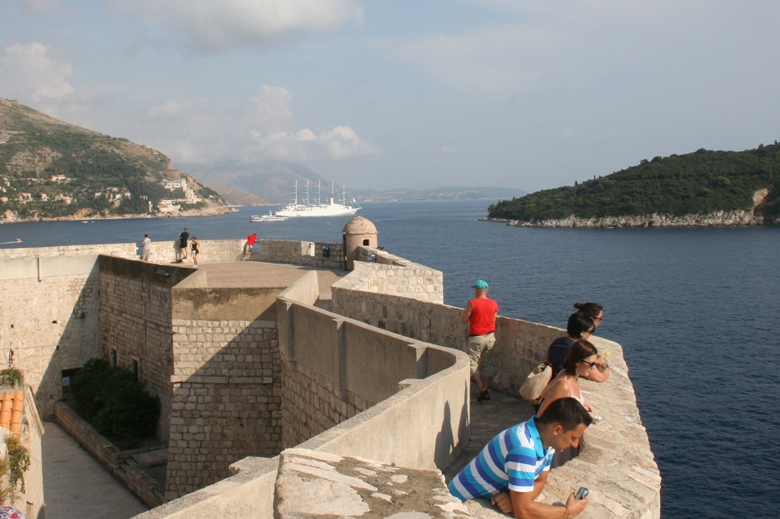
249 383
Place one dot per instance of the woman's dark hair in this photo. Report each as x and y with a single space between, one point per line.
591 309
578 324
578 351
566 411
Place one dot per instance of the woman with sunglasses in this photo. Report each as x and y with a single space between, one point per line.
581 360
594 310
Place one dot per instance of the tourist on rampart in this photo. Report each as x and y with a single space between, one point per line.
513 468
581 359
183 237
250 243
146 248
481 314
594 310
195 248
579 326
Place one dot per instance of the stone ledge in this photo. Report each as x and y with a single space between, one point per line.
179 379
312 483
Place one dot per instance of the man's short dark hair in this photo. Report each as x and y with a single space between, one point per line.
566 411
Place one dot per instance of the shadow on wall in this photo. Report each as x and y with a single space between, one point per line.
77 343
226 398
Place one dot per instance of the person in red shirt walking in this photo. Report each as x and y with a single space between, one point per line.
481 314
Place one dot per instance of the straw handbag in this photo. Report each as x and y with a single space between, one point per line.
535 382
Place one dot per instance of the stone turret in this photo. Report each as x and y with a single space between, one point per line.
358 232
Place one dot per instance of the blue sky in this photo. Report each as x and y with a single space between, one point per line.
396 93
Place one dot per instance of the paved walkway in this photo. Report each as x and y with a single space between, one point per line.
75 485
488 419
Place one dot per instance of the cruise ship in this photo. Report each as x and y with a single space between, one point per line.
297 209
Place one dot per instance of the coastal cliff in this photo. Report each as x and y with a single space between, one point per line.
54 170
703 188
715 219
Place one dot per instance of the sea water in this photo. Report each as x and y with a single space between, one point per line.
696 311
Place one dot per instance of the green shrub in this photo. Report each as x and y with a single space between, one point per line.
114 403
12 376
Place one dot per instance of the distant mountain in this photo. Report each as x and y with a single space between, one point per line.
240 197
700 188
441 193
274 181
50 169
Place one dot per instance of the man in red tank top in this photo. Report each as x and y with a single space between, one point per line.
481 314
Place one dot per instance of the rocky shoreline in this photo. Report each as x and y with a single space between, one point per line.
211 210
715 219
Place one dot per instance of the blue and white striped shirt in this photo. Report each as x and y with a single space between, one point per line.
511 461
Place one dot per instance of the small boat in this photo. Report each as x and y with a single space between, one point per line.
270 217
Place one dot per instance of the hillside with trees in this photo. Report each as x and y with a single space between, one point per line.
700 183
50 169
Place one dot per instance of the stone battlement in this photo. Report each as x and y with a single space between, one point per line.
246 372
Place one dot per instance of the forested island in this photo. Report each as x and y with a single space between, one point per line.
703 188
50 169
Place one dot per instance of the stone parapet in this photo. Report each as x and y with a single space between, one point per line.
416 393
314 254
408 280
312 483
120 250
616 459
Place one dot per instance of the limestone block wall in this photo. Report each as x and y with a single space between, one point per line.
165 250
388 275
334 366
420 320
226 401
120 250
136 323
301 253
48 318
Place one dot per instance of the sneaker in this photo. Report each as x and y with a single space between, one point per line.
483 395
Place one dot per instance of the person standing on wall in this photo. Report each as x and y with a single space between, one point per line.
183 237
481 314
195 246
250 243
146 248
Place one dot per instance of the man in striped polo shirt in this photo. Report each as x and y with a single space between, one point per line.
512 469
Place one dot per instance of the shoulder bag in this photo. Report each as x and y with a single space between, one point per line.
535 382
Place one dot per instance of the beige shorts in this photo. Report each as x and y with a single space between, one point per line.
481 354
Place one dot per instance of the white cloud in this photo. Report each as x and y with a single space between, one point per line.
40 6
270 108
31 73
498 61
256 130
305 145
210 26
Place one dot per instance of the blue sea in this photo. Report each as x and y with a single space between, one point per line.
695 311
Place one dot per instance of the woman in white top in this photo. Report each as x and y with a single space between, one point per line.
581 359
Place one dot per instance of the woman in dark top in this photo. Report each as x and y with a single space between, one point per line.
594 310
580 326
